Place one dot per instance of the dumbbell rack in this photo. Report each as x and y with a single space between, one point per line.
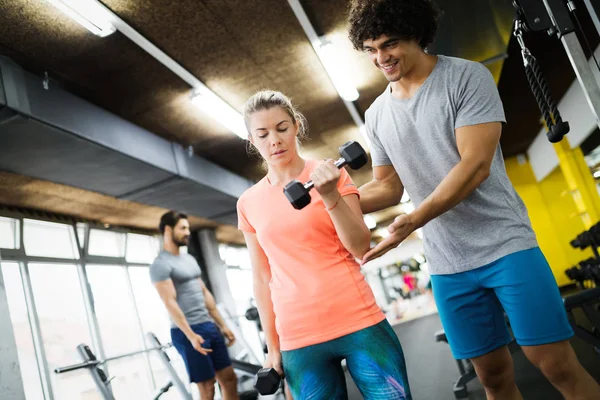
588 299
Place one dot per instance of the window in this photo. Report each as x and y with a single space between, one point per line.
240 286
49 239
115 310
152 311
9 233
63 322
141 249
106 243
22 330
155 319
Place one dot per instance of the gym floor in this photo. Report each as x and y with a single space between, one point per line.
432 371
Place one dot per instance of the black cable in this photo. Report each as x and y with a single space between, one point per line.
543 84
537 92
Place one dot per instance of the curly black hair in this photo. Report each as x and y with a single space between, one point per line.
407 19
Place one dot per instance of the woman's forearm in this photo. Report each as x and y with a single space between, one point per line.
350 227
262 293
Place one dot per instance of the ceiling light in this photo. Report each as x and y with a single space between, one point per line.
222 112
370 221
88 14
334 65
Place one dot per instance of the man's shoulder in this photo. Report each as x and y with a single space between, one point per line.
160 261
461 67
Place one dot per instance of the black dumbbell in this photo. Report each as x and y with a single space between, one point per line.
267 381
351 153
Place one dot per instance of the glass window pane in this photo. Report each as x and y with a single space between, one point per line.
142 249
155 319
22 330
63 323
106 243
49 239
115 309
240 285
9 233
151 309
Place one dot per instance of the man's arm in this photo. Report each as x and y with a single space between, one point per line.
168 294
166 291
211 306
385 190
476 145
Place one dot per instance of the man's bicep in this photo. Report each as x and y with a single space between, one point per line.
479 142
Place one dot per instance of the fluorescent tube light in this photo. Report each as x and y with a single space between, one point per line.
88 14
222 112
336 69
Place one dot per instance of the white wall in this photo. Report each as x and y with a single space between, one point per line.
573 108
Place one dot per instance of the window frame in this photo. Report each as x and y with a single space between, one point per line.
19 256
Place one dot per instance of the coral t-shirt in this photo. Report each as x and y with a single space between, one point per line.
317 288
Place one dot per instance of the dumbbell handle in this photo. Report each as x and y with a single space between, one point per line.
339 163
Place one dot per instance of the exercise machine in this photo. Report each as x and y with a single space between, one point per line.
556 18
102 381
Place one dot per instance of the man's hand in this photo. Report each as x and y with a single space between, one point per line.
197 341
228 335
402 226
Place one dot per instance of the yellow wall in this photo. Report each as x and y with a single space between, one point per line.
553 215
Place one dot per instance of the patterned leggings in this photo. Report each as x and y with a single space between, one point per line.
374 359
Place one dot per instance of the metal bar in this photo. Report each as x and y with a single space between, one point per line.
135 353
140 326
593 14
36 330
584 73
90 311
86 364
88 301
164 358
74 367
100 378
15 255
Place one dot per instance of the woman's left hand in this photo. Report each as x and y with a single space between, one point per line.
325 177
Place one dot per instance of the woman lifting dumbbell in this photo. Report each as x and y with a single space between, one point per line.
315 306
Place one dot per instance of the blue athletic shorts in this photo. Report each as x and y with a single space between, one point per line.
374 359
471 305
202 368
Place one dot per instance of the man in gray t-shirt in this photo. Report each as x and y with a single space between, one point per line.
435 133
198 331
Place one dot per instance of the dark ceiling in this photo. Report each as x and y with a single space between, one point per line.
238 47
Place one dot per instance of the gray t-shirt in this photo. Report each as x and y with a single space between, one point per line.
184 271
417 137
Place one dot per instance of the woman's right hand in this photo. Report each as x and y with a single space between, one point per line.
274 361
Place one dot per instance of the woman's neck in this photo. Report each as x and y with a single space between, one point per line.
282 174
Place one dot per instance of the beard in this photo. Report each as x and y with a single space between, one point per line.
181 242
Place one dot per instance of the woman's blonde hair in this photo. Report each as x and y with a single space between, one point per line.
265 100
